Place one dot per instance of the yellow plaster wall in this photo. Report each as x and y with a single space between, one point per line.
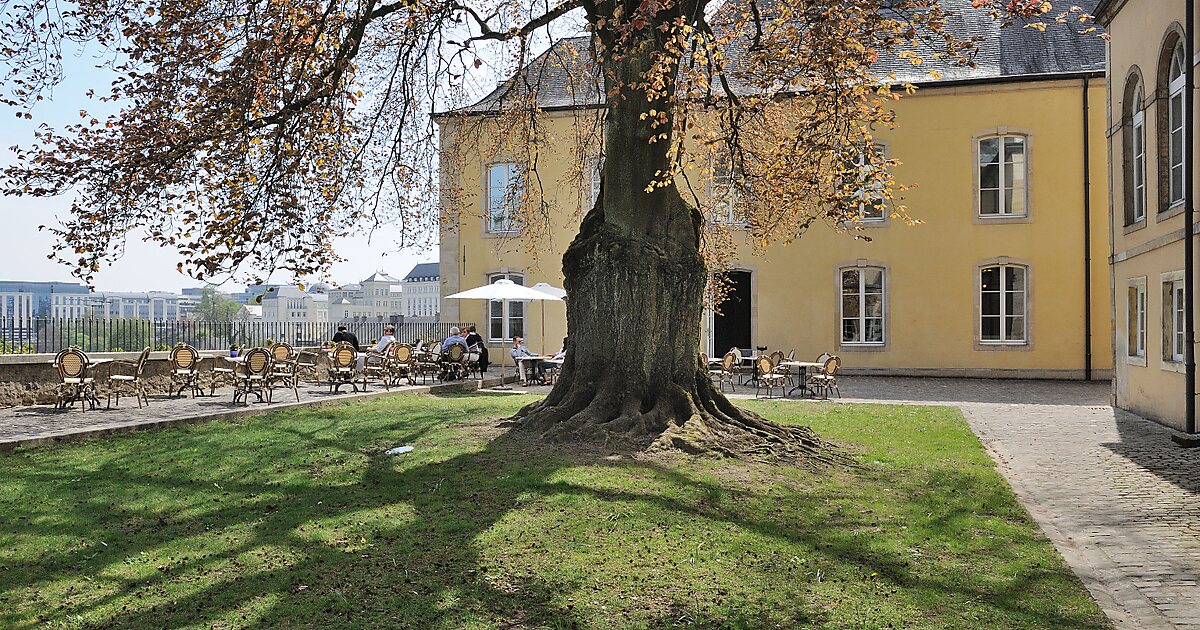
932 268
1151 387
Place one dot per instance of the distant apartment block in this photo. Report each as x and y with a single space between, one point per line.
293 304
38 296
375 298
422 291
160 305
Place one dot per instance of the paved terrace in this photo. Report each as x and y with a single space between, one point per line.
1115 495
45 424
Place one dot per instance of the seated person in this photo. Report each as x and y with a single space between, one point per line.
348 337
454 338
520 351
555 361
562 352
389 336
449 372
475 344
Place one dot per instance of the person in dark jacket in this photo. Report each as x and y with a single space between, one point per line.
474 340
348 337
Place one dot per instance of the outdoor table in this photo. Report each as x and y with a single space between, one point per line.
527 369
801 374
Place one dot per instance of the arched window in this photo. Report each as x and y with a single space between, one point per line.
1175 121
1135 151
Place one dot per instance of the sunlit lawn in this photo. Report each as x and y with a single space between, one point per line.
300 520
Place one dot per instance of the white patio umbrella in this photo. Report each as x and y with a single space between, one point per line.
503 290
551 290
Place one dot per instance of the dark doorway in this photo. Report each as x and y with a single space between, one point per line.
731 325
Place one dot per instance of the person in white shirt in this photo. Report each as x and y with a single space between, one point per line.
389 336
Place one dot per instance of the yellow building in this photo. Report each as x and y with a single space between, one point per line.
1000 278
1147 169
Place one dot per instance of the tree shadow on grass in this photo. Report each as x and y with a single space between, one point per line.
396 542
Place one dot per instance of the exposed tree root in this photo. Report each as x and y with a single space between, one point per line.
701 422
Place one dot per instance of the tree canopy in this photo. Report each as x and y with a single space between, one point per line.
250 134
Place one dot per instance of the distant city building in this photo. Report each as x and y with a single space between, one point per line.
249 312
252 293
422 291
160 305
293 304
378 297
36 295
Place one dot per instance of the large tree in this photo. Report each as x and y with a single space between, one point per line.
250 134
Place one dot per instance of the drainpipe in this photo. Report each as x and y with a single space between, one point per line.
1087 239
1189 253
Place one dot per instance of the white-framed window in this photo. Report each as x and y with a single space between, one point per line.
1136 318
868 190
506 319
1003 304
724 194
1138 165
504 197
1002 174
862 305
1176 160
1174 302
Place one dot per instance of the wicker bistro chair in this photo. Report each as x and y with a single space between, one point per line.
185 370
283 370
724 373
306 365
767 376
825 380
254 376
427 364
284 358
400 363
453 362
474 366
129 383
72 365
777 358
377 365
221 375
343 367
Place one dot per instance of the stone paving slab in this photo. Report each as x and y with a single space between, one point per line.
45 424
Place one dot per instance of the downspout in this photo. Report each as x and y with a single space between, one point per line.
1087 239
1189 291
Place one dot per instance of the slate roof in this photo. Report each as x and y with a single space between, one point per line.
567 77
423 270
380 276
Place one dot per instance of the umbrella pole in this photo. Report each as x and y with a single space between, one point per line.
503 362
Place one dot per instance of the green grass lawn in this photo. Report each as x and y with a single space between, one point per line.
299 520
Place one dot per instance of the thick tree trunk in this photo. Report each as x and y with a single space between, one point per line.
635 281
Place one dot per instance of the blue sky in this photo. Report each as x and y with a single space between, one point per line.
144 266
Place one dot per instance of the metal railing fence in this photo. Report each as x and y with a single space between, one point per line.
98 334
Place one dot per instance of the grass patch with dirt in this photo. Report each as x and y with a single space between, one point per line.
298 519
